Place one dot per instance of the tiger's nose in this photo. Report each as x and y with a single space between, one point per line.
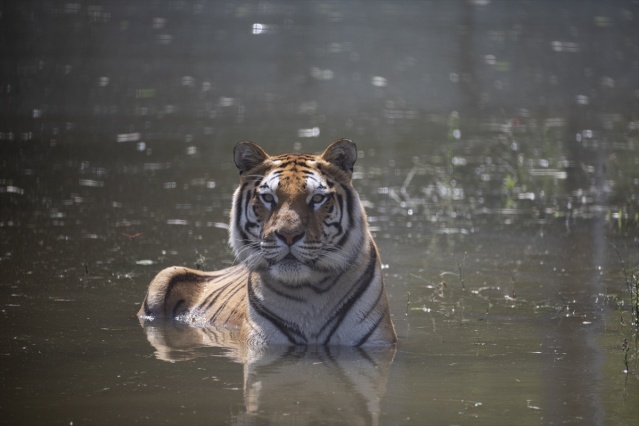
289 237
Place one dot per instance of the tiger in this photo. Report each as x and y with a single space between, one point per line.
308 271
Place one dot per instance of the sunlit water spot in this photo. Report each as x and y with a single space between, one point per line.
128 137
308 133
91 183
12 189
379 81
322 74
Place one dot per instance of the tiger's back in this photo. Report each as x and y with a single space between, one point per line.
309 270
197 297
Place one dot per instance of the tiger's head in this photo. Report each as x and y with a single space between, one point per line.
296 217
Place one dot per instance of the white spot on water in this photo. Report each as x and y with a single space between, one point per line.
308 133
259 28
378 81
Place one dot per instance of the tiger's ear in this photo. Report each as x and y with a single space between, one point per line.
247 156
341 153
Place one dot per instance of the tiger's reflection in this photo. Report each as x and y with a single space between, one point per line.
284 384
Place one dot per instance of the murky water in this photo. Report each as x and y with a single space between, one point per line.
499 163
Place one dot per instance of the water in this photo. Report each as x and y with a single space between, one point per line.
498 163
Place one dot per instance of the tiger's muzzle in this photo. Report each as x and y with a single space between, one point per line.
289 237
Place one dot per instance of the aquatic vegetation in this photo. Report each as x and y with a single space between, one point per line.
629 328
631 280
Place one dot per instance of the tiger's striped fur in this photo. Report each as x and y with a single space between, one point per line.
310 272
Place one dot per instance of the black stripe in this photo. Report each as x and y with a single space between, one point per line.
217 292
337 200
281 293
372 330
345 209
374 305
340 204
178 279
362 285
175 308
322 290
147 309
238 217
283 326
349 205
351 216
364 354
344 238
317 289
338 223
212 334
239 302
223 305
247 203
360 243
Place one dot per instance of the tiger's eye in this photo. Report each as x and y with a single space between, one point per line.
267 198
318 198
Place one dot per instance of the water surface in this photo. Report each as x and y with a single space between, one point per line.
498 163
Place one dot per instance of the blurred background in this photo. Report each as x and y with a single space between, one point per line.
185 71
519 88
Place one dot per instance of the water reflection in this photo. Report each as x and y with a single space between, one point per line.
299 385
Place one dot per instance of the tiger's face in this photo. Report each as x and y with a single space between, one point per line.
296 217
